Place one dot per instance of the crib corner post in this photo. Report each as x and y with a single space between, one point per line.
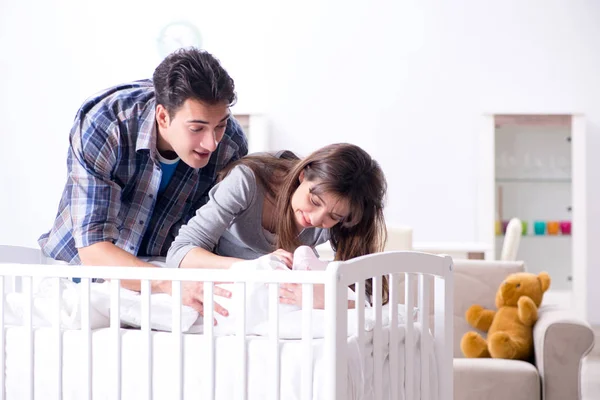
336 327
444 300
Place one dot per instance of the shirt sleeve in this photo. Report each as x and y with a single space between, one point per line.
94 199
226 200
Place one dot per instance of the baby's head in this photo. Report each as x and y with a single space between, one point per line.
306 259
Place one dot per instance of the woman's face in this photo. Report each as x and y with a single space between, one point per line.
317 210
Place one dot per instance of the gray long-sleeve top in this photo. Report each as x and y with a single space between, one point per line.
230 223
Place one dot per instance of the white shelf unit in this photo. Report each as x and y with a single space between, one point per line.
533 183
538 162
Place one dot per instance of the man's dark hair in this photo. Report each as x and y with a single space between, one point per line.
191 73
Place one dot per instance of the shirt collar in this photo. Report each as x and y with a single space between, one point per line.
147 133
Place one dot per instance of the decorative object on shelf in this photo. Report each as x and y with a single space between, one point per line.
565 227
176 35
498 226
504 226
552 227
539 227
524 228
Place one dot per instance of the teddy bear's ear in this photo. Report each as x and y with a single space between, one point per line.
544 279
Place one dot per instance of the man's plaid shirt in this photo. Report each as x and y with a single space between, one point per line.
113 178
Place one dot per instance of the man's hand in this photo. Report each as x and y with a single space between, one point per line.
192 295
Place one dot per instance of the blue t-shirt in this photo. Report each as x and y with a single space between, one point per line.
168 168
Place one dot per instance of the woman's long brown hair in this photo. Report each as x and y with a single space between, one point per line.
342 169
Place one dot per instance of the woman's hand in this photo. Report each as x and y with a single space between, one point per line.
285 256
291 293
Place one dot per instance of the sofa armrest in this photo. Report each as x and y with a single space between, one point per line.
561 340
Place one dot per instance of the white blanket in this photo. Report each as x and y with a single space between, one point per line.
45 306
290 317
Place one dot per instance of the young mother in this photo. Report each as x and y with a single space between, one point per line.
273 204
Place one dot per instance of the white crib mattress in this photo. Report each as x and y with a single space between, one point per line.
134 366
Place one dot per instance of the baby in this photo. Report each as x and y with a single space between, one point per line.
306 259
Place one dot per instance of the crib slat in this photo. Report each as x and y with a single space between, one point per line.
409 342
87 333
336 334
307 307
28 322
177 338
209 335
146 312
115 325
444 307
359 288
2 341
377 337
394 374
58 332
424 313
241 334
274 339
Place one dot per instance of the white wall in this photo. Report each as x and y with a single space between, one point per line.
406 80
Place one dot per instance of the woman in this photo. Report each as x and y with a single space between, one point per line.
267 204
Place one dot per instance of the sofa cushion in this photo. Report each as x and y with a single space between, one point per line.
495 379
476 282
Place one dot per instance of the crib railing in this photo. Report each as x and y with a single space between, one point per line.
336 279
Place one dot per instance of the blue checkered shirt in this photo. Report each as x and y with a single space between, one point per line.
111 192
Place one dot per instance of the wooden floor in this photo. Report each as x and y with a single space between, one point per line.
590 381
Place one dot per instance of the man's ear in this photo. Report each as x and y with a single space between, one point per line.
162 116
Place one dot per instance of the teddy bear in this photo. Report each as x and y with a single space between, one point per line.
510 328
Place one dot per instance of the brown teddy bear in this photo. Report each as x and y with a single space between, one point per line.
510 329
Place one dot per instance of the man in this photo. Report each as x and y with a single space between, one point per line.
141 161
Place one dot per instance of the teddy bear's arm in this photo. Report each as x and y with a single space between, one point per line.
479 317
527 311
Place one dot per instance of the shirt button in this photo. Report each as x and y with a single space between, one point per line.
141 222
131 247
151 196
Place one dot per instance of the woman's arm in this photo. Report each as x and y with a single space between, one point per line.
196 240
201 258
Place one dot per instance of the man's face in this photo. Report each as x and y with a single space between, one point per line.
194 131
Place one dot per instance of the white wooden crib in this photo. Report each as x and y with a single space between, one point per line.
51 362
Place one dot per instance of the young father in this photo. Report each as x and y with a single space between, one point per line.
142 158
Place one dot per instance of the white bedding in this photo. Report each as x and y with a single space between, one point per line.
360 366
256 300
